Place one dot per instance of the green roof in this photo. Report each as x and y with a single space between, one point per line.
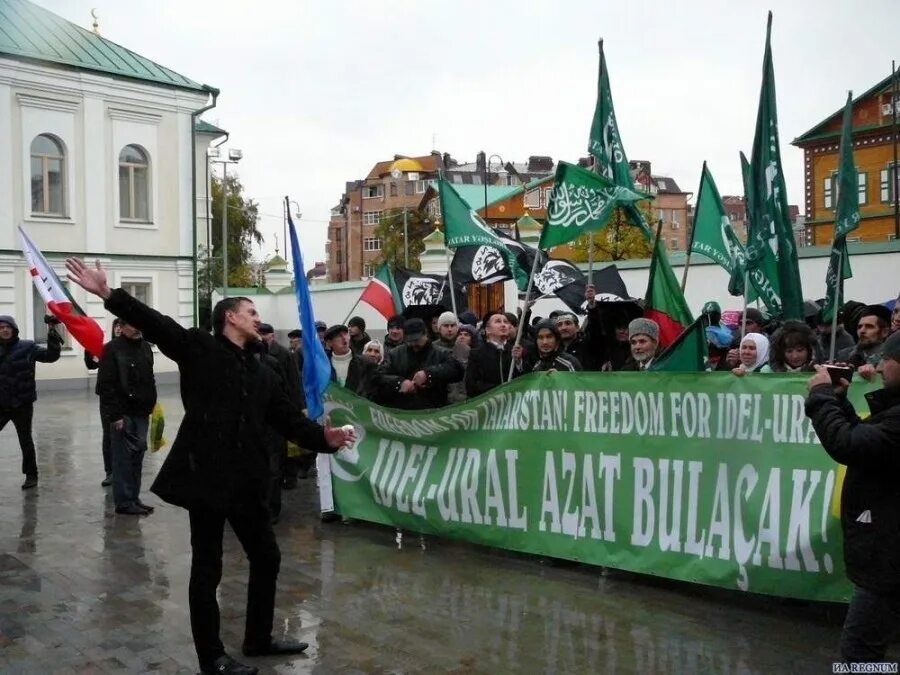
31 32
204 127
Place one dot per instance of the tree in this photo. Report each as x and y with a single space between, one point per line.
242 235
619 240
390 231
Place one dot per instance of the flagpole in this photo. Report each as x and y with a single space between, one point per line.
355 305
838 280
744 315
450 278
521 328
690 245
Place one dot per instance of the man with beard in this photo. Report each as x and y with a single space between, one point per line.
872 330
394 333
643 334
356 328
415 375
217 469
448 329
588 353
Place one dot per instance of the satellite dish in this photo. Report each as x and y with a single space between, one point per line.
396 174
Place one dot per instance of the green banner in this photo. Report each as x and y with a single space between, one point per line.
701 477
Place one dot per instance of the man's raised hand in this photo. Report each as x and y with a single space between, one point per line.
91 280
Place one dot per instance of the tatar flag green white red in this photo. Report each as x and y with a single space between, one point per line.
382 294
60 304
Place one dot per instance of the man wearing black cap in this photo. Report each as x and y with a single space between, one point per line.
358 335
871 331
870 501
394 333
415 375
321 327
349 370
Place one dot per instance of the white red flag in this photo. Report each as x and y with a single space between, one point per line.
60 304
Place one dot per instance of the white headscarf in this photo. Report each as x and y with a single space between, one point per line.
762 349
374 343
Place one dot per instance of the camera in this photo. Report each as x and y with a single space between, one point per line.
839 373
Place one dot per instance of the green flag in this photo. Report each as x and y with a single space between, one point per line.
688 354
714 237
581 201
464 227
759 257
771 217
605 144
846 218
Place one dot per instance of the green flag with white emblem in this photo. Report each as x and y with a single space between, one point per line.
605 145
771 220
581 201
464 227
846 218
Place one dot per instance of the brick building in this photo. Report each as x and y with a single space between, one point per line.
874 141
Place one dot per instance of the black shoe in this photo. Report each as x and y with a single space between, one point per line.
30 482
106 482
330 517
289 484
276 648
142 505
225 665
133 510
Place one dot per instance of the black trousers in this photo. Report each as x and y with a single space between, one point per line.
105 446
871 623
250 522
21 419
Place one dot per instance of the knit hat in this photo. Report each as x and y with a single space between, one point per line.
468 317
447 319
891 347
547 324
472 331
357 321
641 326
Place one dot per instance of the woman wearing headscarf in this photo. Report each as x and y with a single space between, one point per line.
794 349
754 354
374 351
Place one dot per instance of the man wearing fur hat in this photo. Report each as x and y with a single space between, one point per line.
17 390
643 335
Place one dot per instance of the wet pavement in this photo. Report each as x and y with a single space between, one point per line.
83 590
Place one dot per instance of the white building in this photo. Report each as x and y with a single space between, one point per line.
101 156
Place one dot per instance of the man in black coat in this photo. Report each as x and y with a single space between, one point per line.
217 468
348 369
870 500
127 391
489 363
415 375
17 389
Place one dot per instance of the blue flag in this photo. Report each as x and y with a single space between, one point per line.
316 366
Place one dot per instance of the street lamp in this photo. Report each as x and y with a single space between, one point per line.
234 156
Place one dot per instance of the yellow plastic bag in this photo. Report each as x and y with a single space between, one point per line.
157 427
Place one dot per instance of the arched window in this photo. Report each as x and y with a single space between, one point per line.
134 184
48 176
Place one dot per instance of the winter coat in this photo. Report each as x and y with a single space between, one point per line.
870 499
857 357
125 379
359 375
843 341
557 361
488 367
229 398
289 371
588 352
358 344
401 363
17 359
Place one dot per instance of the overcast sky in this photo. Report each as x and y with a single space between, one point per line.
315 93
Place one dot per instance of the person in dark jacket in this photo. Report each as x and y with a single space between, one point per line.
350 370
872 328
217 468
842 339
550 356
17 389
394 333
127 395
448 329
489 363
589 353
415 375
870 500
92 362
356 327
